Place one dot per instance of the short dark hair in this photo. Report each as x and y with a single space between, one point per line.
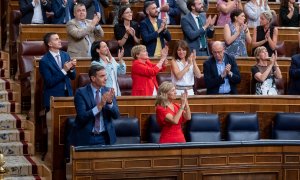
94 53
94 69
189 4
121 12
47 38
147 4
235 13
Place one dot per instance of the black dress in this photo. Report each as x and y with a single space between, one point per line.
119 30
261 35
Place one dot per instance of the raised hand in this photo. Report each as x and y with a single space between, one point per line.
121 54
213 20
95 19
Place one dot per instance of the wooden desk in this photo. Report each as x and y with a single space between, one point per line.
224 160
141 107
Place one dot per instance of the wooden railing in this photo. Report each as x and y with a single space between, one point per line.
239 160
34 32
141 107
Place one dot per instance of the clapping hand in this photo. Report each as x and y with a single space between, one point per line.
120 54
96 19
184 99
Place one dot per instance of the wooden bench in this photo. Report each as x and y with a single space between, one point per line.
226 160
141 107
33 32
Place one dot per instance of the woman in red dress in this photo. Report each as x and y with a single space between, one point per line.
170 116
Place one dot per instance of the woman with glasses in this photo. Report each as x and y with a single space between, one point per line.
126 31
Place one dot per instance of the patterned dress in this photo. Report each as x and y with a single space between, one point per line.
238 46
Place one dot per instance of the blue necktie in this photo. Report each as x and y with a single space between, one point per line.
99 123
202 37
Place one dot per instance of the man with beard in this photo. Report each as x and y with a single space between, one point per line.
102 56
153 30
196 27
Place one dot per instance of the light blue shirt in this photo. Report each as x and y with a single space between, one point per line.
225 87
113 69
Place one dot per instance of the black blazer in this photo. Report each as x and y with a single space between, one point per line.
294 85
27 10
213 80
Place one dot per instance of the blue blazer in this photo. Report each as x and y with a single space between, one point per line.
60 11
173 10
27 9
213 80
54 80
84 103
294 85
149 35
192 34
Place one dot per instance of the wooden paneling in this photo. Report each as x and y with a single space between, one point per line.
141 107
34 32
232 161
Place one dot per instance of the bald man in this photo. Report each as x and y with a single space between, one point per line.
221 73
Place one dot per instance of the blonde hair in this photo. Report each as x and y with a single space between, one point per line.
136 50
268 15
162 94
258 50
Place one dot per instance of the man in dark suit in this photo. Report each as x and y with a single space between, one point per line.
154 31
96 106
294 85
167 8
221 73
196 27
34 11
63 10
56 68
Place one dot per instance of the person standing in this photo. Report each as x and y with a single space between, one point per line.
196 27
221 73
154 31
82 32
294 72
96 107
171 116
57 70
102 56
144 72
34 11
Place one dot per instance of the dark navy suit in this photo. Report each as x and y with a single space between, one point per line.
27 10
213 80
60 11
173 10
55 81
294 86
149 35
84 103
192 33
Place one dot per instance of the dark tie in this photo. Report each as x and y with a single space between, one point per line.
202 37
98 117
58 61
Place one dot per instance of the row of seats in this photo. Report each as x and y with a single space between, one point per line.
201 128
